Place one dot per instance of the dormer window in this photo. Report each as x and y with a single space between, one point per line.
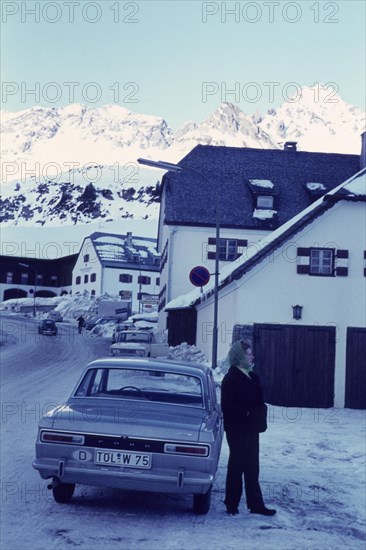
265 201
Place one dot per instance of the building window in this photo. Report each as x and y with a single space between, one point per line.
53 280
86 279
265 201
93 292
86 258
24 278
143 280
125 278
228 250
321 261
157 282
39 280
326 262
93 277
78 280
9 277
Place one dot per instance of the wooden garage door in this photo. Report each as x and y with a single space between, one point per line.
296 364
356 368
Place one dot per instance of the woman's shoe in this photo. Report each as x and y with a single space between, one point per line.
232 511
263 511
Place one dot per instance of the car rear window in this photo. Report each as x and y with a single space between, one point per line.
136 384
134 337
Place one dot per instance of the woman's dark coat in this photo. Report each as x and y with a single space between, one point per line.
242 402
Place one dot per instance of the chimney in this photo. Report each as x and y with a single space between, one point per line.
129 239
363 151
290 146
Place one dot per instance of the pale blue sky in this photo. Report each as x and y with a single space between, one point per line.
169 52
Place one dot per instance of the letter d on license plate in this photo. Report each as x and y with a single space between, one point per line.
120 458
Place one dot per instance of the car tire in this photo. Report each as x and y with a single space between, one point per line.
202 502
62 492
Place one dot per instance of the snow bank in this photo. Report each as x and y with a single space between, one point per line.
185 352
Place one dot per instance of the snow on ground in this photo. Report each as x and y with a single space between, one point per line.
312 471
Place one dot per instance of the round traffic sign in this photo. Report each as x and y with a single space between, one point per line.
199 276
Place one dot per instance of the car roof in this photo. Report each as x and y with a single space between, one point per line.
163 365
134 330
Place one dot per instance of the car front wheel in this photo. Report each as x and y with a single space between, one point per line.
202 502
63 492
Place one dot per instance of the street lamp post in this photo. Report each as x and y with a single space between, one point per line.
35 284
176 168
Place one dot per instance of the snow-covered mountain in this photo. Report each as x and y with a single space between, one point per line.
84 158
319 121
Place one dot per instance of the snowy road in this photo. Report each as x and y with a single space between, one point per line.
312 472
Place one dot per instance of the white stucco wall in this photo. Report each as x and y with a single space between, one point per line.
267 293
187 248
112 284
82 268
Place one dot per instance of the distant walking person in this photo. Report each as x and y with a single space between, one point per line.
81 324
245 416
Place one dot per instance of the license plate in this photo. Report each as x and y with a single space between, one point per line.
120 458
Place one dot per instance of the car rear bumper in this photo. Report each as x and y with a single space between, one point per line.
155 480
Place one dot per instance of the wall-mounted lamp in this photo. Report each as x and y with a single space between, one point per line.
297 312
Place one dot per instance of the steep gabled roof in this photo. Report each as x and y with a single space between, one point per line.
227 174
353 189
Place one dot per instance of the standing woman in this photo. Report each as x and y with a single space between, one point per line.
245 415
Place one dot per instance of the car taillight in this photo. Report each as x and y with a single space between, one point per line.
68 439
194 450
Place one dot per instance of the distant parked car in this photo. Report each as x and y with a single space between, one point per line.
48 327
158 428
101 322
138 343
91 321
121 326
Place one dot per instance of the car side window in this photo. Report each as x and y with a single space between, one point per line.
212 390
96 382
90 385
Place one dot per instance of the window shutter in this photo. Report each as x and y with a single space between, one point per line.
342 271
211 255
342 253
303 269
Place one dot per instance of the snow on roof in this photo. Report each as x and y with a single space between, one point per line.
315 186
264 213
107 239
121 248
262 183
356 185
